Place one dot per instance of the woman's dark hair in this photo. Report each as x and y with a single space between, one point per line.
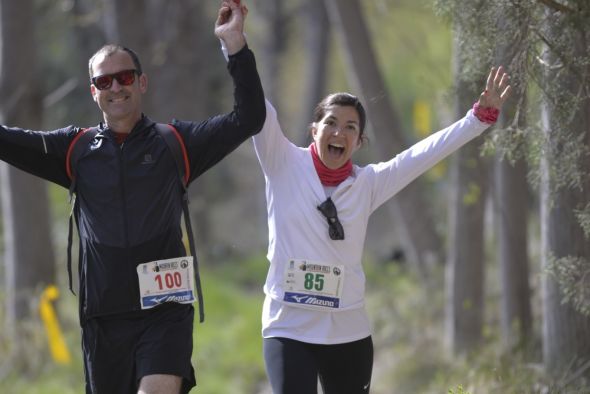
108 50
341 99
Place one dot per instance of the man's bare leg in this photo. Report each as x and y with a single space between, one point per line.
160 384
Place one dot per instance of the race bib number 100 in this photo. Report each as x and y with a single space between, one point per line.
313 285
168 280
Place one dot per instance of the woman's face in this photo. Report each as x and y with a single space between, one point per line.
337 135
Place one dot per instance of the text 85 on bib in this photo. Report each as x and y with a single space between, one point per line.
313 285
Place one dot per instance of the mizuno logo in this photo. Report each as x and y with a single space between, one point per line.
312 300
171 298
315 301
299 299
160 300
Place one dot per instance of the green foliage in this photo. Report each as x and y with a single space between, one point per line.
560 72
407 328
248 273
573 276
546 46
512 144
568 152
583 216
541 46
458 390
411 356
26 365
489 371
474 31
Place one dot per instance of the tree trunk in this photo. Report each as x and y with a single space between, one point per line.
317 31
185 60
511 191
273 46
566 332
511 212
424 245
86 38
28 254
124 23
465 264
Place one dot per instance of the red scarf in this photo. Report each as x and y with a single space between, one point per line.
329 177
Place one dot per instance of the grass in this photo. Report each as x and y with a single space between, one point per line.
228 345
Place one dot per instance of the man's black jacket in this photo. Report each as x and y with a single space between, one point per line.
129 196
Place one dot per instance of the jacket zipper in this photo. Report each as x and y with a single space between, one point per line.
123 194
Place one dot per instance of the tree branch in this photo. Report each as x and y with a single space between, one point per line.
556 6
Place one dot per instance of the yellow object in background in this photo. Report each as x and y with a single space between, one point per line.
57 344
422 120
422 123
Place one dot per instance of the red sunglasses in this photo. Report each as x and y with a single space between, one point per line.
124 78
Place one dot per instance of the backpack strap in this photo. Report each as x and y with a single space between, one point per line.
176 145
75 150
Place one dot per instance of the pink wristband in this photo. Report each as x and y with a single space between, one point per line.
487 115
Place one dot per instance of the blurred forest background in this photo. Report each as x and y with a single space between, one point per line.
478 273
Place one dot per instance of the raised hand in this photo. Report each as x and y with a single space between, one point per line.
229 26
497 89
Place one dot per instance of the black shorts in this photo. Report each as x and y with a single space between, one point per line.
293 367
119 350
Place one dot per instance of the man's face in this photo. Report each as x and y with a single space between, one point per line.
118 102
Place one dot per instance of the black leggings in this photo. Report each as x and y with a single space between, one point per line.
293 367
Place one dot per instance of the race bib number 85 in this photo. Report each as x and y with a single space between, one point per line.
168 280
313 285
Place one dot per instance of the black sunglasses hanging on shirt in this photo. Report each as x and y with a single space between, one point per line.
328 209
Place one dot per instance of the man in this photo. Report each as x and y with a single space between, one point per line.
128 212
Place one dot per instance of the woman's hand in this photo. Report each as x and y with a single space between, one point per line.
497 89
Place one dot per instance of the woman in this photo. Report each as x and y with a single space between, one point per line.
318 202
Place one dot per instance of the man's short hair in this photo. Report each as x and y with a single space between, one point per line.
110 49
